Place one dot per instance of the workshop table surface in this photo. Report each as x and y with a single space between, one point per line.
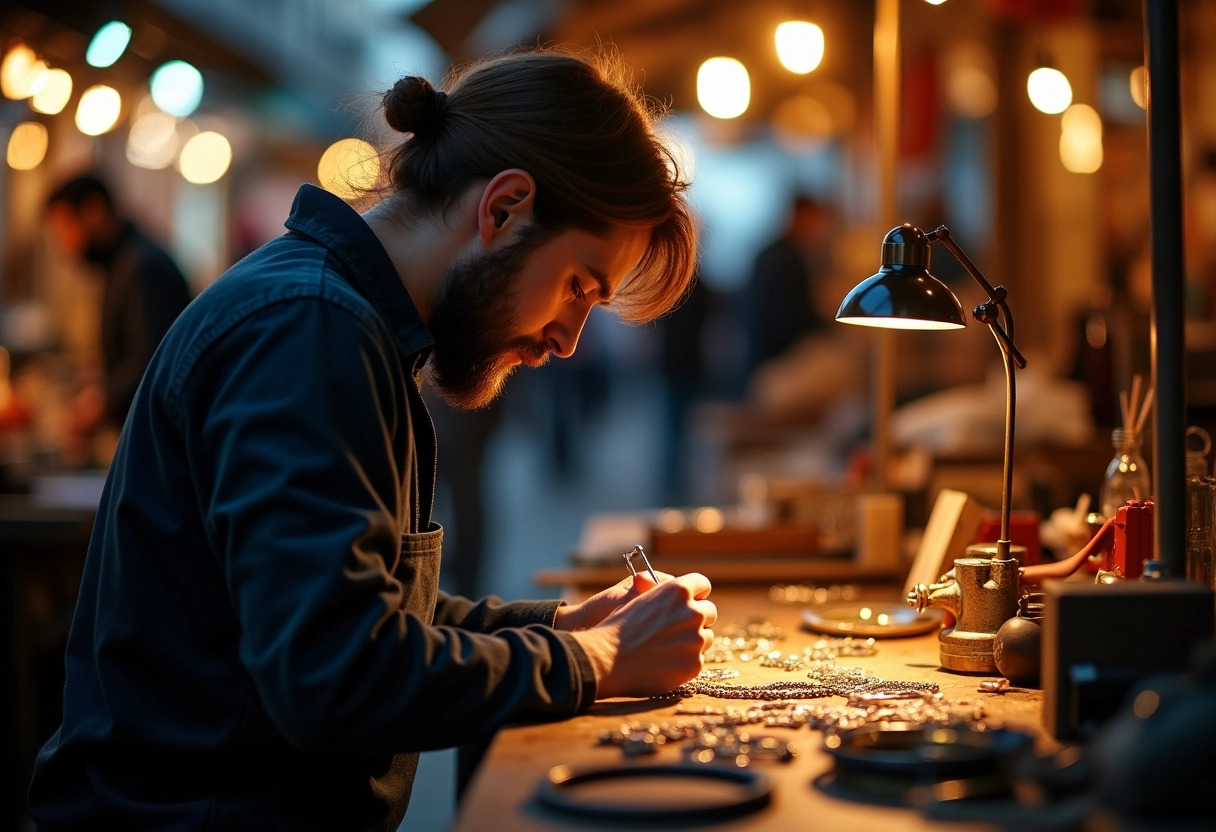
502 795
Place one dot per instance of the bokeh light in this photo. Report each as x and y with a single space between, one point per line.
152 142
723 87
799 46
205 158
348 167
98 110
55 93
27 146
22 74
1081 139
1049 90
108 44
1139 84
177 88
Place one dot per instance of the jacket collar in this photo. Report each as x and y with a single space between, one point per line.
333 223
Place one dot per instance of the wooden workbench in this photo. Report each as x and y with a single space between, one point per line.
501 796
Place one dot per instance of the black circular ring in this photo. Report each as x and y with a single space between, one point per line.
558 790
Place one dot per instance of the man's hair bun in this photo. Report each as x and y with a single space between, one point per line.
414 106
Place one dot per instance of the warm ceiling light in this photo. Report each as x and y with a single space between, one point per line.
1049 90
723 87
1081 139
177 88
348 168
799 45
54 95
108 44
205 158
21 73
98 110
27 146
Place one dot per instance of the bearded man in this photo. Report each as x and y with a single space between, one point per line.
259 641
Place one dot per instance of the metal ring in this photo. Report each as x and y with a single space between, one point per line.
559 790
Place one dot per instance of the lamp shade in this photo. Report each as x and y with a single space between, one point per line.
903 295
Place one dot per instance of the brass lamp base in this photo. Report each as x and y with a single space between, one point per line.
967 652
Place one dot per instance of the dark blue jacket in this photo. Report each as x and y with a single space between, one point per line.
259 641
144 293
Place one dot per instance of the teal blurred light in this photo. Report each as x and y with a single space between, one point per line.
177 88
108 44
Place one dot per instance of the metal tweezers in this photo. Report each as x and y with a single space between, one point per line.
637 550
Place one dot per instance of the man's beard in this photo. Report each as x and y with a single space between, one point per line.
472 316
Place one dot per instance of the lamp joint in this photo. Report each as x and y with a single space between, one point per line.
985 313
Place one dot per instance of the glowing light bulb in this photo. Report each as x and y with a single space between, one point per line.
1049 90
799 46
723 87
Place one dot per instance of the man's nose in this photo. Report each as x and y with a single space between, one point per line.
563 333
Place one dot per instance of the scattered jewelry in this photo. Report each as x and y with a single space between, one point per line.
709 727
821 650
756 639
739 747
715 732
827 679
811 594
754 628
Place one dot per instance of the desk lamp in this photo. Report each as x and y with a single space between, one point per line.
903 295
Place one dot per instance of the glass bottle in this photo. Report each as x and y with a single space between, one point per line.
1198 507
1127 476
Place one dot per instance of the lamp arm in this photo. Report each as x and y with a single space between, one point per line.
987 313
996 295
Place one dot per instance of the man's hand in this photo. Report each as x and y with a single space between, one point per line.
652 637
599 606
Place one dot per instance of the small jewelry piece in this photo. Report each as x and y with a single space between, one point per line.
637 551
994 686
718 674
737 746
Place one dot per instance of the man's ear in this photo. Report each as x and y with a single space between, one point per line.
506 203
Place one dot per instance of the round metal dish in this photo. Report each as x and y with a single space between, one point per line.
887 761
870 619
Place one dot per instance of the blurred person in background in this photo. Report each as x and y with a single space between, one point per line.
779 305
143 293
260 641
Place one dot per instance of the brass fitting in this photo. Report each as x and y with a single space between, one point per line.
983 595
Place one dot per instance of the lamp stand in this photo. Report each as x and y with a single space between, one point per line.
990 313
